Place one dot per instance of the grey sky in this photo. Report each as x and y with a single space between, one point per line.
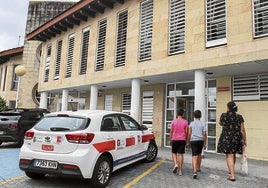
13 16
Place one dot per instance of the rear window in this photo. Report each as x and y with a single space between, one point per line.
62 124
9 116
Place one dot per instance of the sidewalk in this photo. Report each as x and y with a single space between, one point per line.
256 168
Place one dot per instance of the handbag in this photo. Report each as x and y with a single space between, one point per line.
244 161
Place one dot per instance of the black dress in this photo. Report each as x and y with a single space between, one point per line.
231 137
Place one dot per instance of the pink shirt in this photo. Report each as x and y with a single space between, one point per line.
179 127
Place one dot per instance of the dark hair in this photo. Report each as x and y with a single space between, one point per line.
232 106
180 112
197 114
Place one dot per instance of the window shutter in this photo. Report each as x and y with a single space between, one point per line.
84 51
70 56
47 64
58 60
264 86
146 30
108 102
101 45
126 103
215 22
121 38
147 108
246 87
176 26
260 20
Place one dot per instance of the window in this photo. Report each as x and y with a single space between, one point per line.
110 123
58 60
176 26
101 45
146 30
260 20
147 108
70 54
1 75
5 78
215 23
15 80
108 102
250 87
129 124
47 64
84 51
126 103
121 39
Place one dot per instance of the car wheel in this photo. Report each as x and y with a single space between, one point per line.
1 143
152 151
34 175
102 172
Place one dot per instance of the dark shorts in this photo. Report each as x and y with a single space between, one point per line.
197 147
178 146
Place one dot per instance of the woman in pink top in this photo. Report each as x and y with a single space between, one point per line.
178 137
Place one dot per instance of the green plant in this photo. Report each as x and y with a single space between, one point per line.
3 104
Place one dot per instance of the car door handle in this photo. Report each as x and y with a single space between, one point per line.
109 138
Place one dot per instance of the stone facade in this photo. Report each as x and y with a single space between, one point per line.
235 57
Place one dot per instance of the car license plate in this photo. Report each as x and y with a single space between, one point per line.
45 164
47 147
2 132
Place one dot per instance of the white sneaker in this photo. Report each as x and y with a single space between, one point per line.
180 173
175 169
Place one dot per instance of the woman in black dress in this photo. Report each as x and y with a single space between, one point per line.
233 136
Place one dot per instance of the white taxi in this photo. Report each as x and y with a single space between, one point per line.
88 144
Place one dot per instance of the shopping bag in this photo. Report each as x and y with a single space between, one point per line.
244 161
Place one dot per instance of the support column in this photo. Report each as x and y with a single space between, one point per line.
64 102
43 100
200 93
93 97
135 99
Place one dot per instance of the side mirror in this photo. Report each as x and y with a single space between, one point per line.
144 127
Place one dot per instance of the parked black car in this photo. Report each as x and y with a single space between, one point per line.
14 123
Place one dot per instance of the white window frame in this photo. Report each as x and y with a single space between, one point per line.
216 22
108 102
147 109
260 26
250 87
58 60
84 51
176 33
70 55
146 30
100 52
47 63
126 103
121 38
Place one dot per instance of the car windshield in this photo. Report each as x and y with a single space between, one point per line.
62 124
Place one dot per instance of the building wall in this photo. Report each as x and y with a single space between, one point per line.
241 47
5 88
39 12
254 114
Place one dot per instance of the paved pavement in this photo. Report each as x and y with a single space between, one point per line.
150 175
256 168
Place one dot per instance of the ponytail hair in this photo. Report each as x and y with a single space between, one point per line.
232 106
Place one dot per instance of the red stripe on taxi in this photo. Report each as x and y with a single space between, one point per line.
147 138
105 146
130 141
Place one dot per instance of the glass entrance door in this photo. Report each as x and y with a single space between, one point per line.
179 96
